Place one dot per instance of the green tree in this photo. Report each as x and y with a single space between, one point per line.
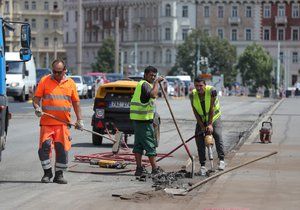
221 55
255 66
105 59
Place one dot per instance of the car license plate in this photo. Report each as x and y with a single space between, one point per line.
119 104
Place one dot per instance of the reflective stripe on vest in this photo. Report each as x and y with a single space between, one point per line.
57 97
139 110
56 108
198 107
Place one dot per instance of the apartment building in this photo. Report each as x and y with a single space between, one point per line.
264 22
156 27
46 20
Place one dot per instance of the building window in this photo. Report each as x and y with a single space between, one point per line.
33 5
295 57
46 5
185 32
234 35
67 16
67 37
281 56
168 56
206 11
33 41
46 41
160 56
55 24
295 10
281 10
147 57
46 23
295 34
141 57
7 6
220 11
280 35
154 56
168 10
267 11
220 33
206 31
26 20
125 57
248 35
168 34
266 34
26 5
33 23
55 5
234 11
76 16
248 11
185 11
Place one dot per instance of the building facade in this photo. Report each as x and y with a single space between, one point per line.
46 21
269 22
149 30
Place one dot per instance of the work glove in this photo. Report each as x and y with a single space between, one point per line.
38 111
79 125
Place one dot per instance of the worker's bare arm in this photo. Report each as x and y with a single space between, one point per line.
36 102
77 109
154 91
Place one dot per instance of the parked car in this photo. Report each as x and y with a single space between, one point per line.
112 77
90 82
40 73
179 86
82 88
20 78
111 109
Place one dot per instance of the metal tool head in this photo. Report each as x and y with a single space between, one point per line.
118 141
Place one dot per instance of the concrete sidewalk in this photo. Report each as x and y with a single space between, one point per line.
270 183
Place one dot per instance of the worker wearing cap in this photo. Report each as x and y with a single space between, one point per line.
206 108
142 111
56 94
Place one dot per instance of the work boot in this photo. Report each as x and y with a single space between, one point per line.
140 171
221 165
59 178
202 171
157 170
47 176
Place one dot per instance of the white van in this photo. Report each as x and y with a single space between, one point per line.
20 77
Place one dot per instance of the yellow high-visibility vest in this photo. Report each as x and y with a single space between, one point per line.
197 105
139 110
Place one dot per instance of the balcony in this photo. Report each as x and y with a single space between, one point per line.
234 20
281 20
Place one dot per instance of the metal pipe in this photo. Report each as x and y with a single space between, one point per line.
226 171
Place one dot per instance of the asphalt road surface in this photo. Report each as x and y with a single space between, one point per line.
20 170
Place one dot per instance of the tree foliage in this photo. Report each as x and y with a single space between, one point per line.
221 55
255 66
105 59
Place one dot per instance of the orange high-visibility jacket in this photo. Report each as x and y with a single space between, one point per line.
57 99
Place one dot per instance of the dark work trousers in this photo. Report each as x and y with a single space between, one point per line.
217 134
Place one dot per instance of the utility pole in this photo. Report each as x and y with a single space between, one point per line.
79 38
122 63
117 43
197 58
278 69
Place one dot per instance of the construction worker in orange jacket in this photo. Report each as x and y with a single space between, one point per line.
55 95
